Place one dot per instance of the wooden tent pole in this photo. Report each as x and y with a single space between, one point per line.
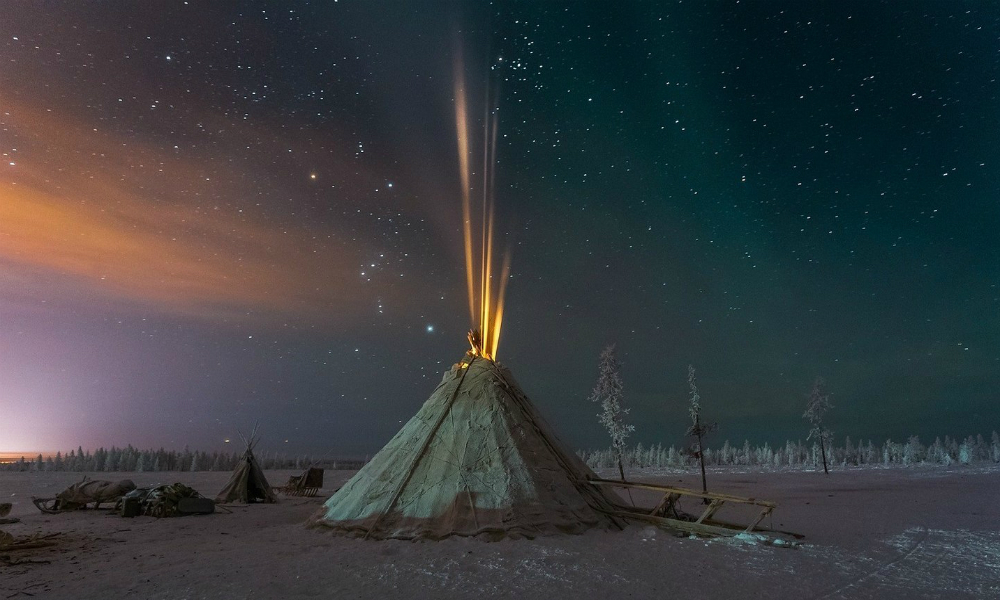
423 450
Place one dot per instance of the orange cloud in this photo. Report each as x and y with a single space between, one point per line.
83 210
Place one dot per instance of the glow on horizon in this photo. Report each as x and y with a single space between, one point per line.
13 457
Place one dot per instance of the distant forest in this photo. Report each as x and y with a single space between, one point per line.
971 450
131 459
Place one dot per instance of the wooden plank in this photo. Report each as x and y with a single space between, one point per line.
760 517
681 491
665 505
710 510
707 528
685 526
26 545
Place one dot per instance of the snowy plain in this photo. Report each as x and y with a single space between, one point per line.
919 532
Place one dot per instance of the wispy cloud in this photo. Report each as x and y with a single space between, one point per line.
102 219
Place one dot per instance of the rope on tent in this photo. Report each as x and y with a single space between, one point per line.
423 450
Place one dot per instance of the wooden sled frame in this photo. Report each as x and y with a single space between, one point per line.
665 513
307 484
47 505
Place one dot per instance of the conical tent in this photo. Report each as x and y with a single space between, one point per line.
477 459
248 483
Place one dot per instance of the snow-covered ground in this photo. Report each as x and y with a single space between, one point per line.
925 532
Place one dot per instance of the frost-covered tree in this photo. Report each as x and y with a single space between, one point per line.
913 452
112 460
965 453
609 392
698 429
185 460
816 408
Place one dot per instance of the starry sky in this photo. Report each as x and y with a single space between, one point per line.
213 213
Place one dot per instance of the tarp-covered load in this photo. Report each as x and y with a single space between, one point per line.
82 493
248 483
172 500
477 459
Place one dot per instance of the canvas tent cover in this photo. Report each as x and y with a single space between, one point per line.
477 462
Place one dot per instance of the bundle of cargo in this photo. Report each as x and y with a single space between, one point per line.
175 500
83 493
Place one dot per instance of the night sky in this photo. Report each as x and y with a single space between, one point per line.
213 213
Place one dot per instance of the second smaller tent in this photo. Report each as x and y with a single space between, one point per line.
248 483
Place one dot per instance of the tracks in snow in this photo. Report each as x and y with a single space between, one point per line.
885 566
959 562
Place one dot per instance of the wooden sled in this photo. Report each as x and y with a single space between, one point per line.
47 505
666 513
51 506
84 492
307 484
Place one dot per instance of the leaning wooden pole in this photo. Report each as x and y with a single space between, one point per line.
822 449
420 453
701 455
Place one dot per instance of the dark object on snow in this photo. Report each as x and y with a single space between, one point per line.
306 484
6 538
195 506
248 483
82 493
4 511
131 505
9 543
173 500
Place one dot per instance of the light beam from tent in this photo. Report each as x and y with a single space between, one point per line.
486 303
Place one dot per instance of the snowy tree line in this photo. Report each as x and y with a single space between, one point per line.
971 450
131 459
